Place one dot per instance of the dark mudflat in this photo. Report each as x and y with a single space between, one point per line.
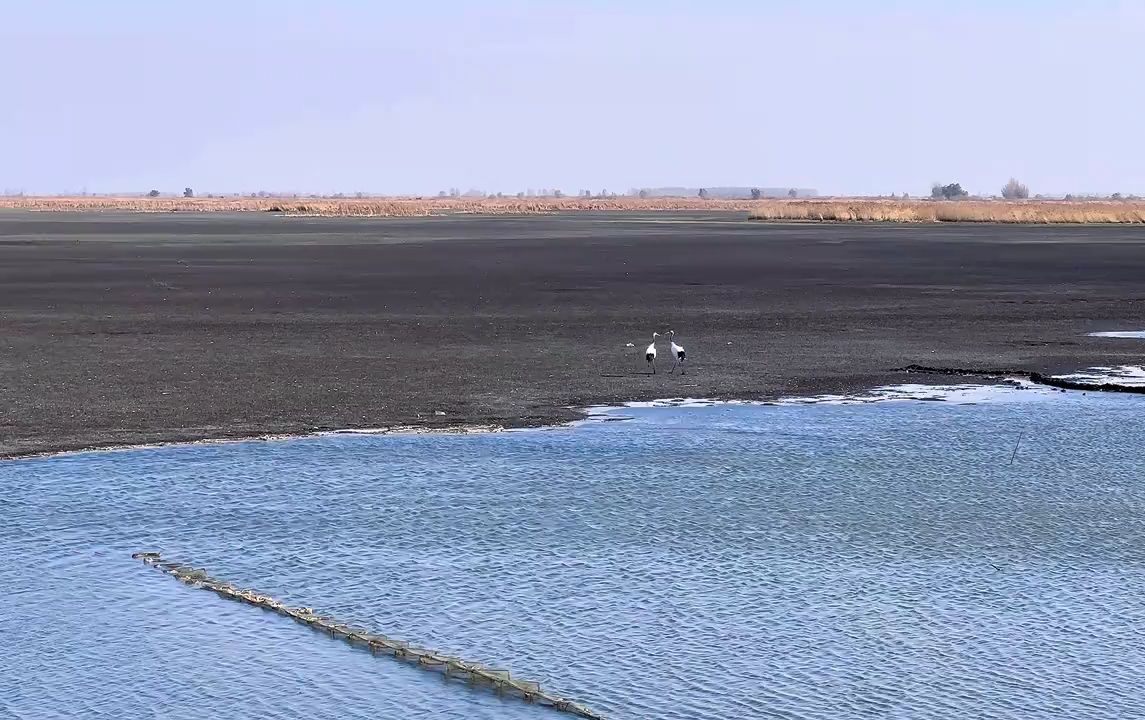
146 328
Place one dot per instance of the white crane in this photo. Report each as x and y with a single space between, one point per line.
650 353
677 352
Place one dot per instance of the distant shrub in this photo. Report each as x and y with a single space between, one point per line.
756 193
1015 190
642 194
1115 196
792 193
188 193
703 193
953 191
153 193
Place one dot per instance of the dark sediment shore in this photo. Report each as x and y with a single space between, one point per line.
121 329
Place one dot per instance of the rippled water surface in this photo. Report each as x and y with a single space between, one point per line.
791 562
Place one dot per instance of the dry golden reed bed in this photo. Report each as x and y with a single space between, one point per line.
929 211
815 210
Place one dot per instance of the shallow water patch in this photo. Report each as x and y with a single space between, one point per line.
1128 334
1125 375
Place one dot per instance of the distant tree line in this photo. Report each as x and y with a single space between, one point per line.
1012 190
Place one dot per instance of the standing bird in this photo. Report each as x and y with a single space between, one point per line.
650 353
677 352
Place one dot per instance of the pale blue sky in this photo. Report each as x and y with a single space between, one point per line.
862 97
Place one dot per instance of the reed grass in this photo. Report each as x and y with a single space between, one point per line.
813 210
372 207
968 211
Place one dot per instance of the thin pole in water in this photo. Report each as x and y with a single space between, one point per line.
1016 445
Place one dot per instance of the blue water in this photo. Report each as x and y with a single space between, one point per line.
775 562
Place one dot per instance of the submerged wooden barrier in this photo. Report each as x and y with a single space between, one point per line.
455 668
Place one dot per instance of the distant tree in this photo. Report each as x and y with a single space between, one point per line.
558 194
756 193
953 191
1015 190
520 195
153 193
906 196
1069 196
703 193
1115 196
188 193
792 193
441 193
642 194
